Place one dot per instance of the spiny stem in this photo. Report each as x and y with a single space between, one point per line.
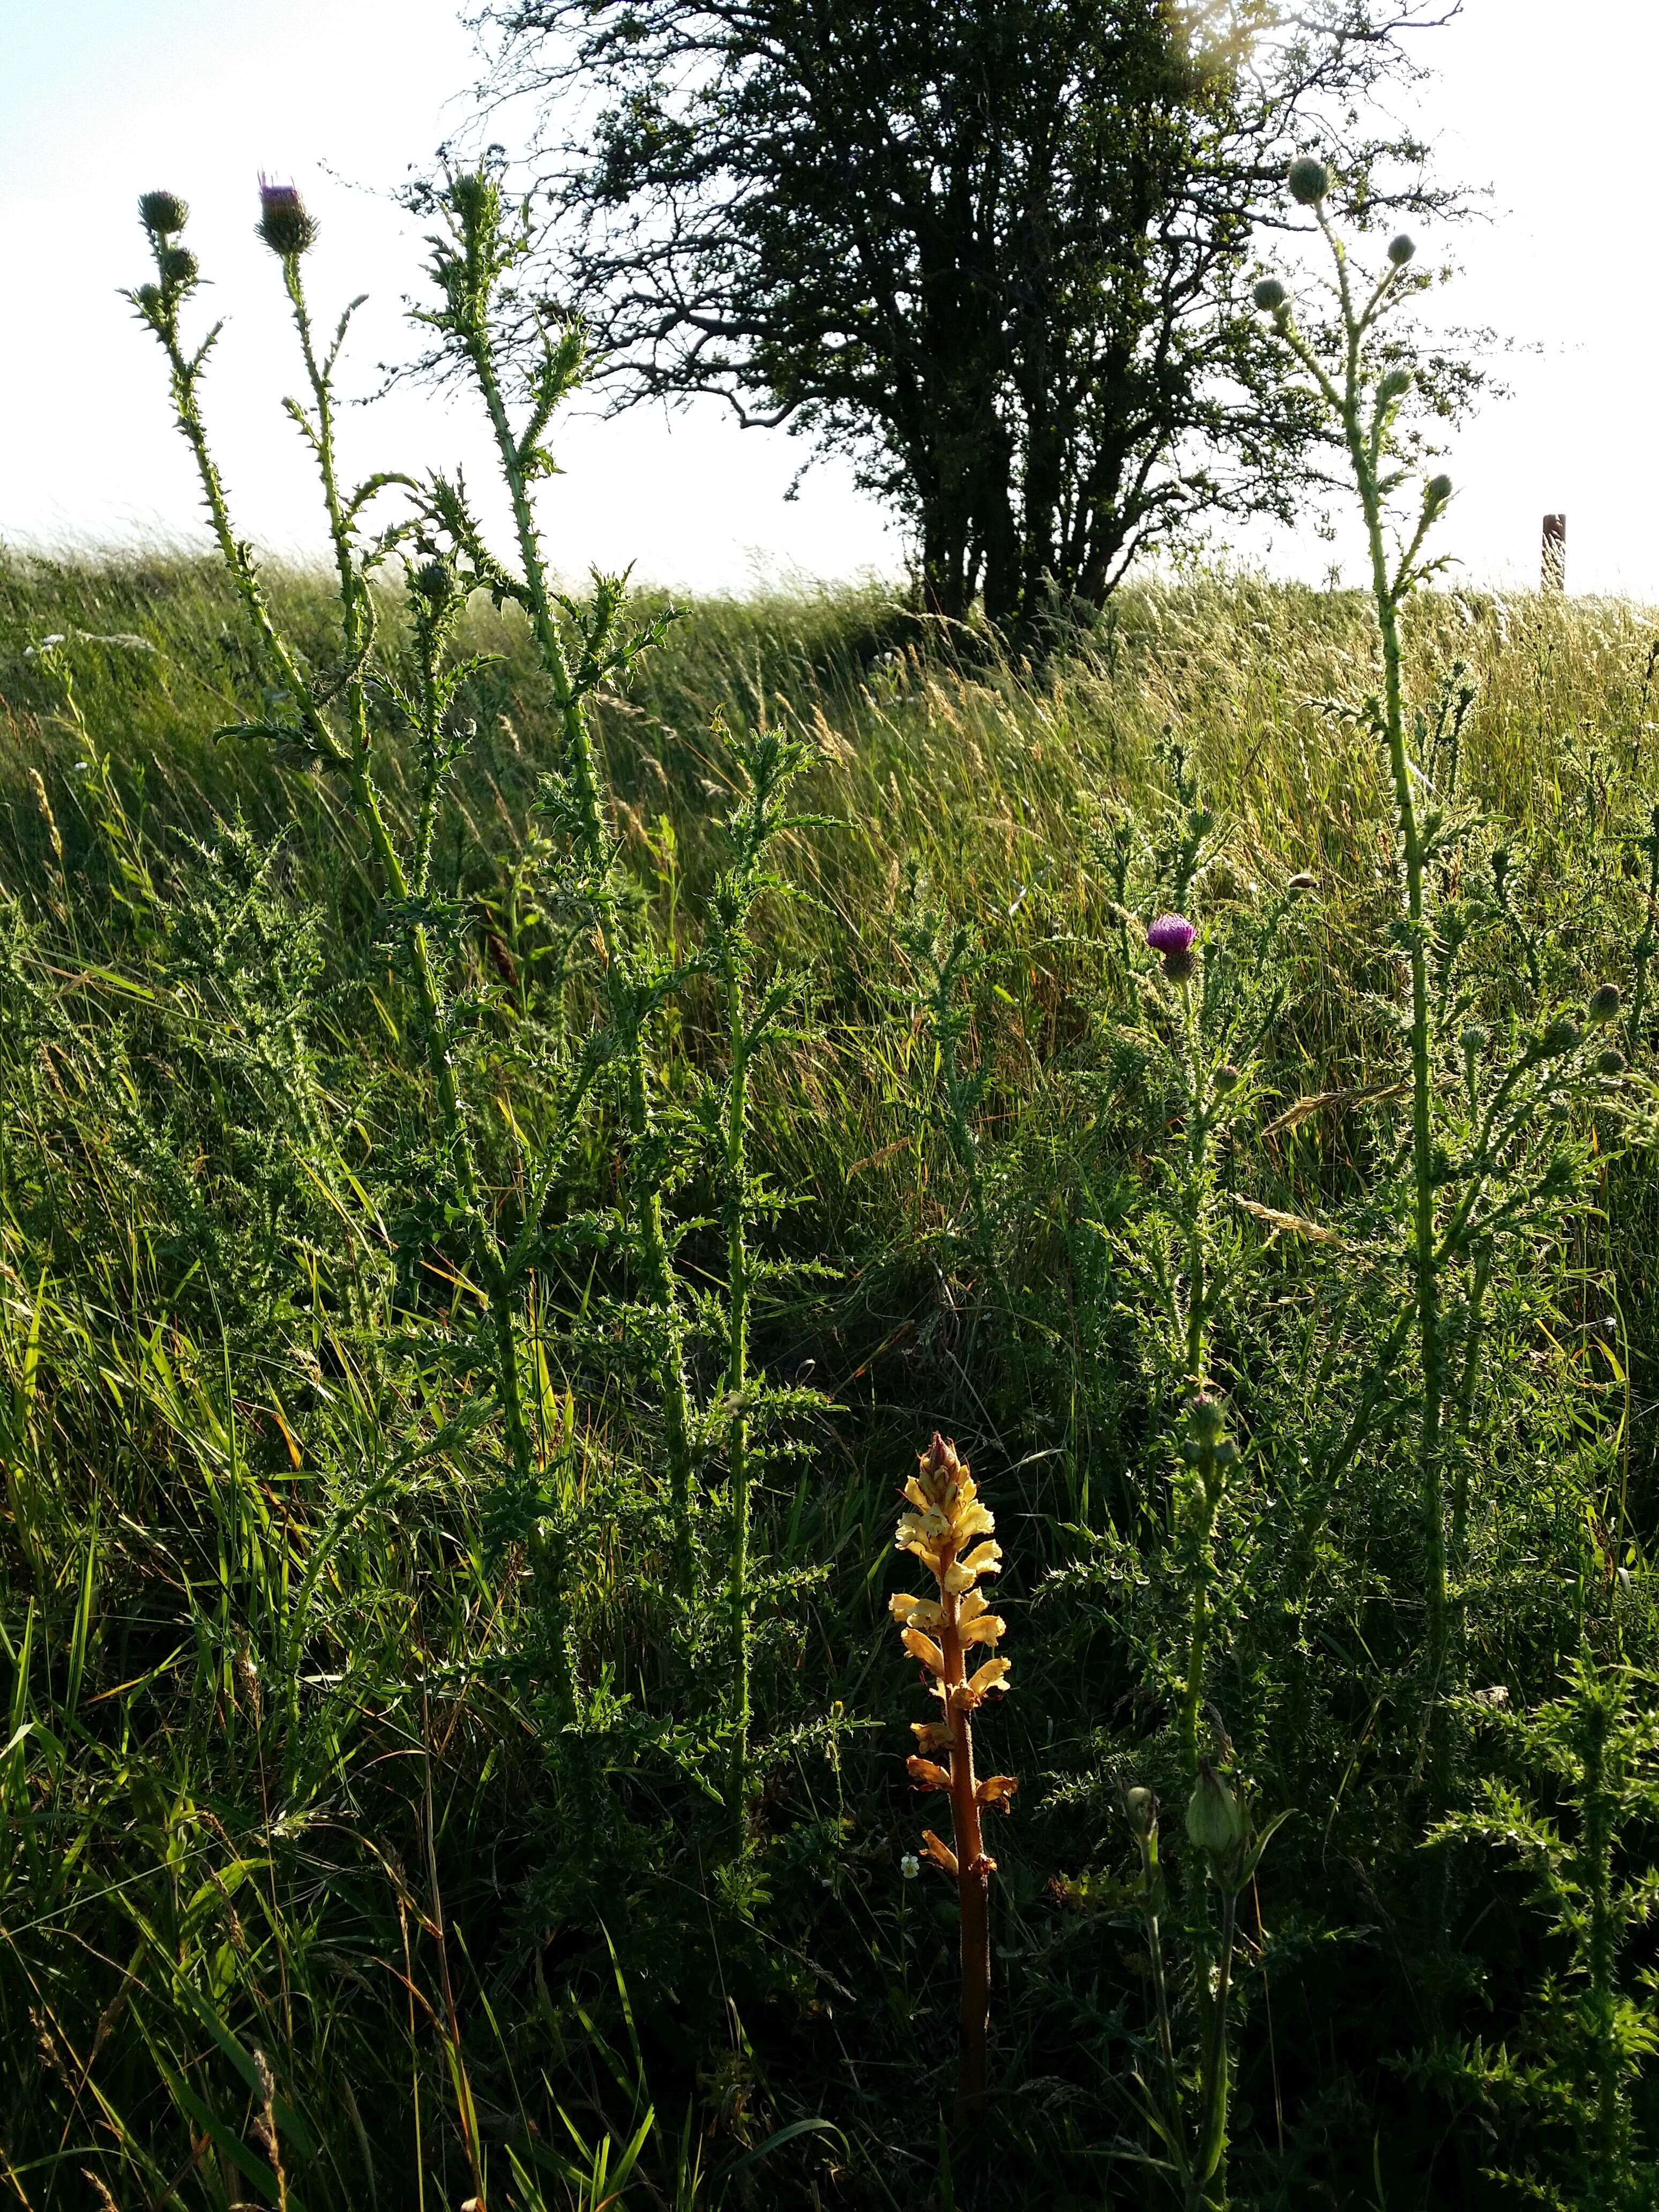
737 1370
472 326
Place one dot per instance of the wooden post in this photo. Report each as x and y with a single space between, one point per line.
1554 577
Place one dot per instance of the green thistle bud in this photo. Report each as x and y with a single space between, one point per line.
1309 181
1560 1036
475 198
1474 1040
1215 1819
1401 250
1604 1004
1226 1452
149 300
1227 1077
1611 1062
1437 491
432 581
1396 385
284 224
162 213
1270 295
1209 1422
1140 1807
179 266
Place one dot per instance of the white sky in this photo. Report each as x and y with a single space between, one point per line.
100 99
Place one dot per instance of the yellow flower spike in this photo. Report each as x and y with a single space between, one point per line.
943 1518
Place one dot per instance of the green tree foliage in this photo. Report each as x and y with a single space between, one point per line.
992 249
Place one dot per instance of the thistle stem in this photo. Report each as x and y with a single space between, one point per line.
656 1265
736 1372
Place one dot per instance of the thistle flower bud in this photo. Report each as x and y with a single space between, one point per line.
284 224
1140 1807
476 199
1270 295
179 266
1559 1036
1604 1004
1474 1040
1226 1452
1172 938
1302 883
162 213
1396 385
1215 1819
1309 181
1227 1077
1401 250
1611 1062
1437 491
1207 1419
432 581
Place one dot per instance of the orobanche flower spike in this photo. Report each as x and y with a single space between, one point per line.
947 1528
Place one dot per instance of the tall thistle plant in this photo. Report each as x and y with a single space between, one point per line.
481 240
1489 1158
322 706
760 1013
322 709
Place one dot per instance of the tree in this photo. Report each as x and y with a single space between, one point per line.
995 249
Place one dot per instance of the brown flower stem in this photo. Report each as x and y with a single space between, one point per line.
972 1868
944 1516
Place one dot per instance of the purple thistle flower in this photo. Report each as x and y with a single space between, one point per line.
284 224
1172 938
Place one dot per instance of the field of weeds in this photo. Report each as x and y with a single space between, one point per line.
400 1809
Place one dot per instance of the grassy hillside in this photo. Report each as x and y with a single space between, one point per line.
319 1885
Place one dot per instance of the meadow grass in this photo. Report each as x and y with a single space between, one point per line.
312 1893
